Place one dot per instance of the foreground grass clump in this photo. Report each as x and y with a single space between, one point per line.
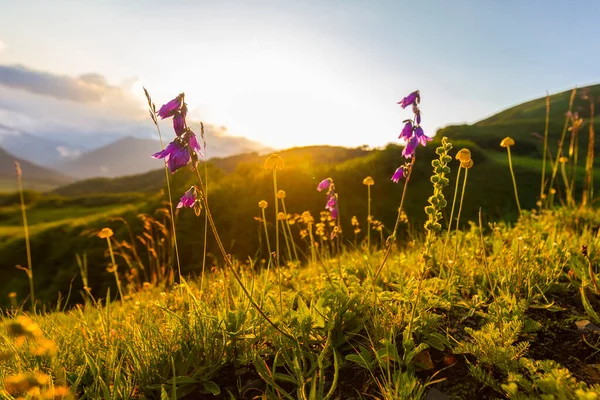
507 323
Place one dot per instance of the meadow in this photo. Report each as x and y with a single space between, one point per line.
479 283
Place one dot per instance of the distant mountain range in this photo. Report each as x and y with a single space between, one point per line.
129 156
34 176
125 156
37 149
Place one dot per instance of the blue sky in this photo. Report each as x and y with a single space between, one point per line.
295 72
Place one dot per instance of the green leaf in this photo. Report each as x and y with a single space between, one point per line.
163 393
212 387
588 307
182 380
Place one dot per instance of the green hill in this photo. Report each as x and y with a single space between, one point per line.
526 123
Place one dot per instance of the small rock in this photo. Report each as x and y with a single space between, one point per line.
585 325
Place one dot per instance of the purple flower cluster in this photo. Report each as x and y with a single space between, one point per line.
332 198
412 133
185 146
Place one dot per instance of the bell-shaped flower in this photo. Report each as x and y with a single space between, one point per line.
410 148
169 109
189 198
175 154
421 137
324 184
193 143
411 99
407 131
398 174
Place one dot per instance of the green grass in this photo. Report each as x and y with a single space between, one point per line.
41 219
503 325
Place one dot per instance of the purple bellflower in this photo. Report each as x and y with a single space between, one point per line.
398 174
188 199
421 137
332 205
169 109
411 146
324 184
180 151
411 99
407 131
332 200
176 155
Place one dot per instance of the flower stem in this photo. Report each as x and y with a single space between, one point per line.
277 259
114 267
462 196
545 147
369 218
228 263
26 230
170 205
451 214
512 173
392 238
205 220
287 223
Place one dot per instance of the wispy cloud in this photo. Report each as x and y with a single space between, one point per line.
86 112
85 88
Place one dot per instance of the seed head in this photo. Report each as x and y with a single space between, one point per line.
507 142
263 204
274 161
464 155
467 164
281 194
281 216
368 181
105 233
563 159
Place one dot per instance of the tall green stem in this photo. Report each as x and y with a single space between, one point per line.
114 267
229 264
26 230
369 218
512 173
451 214
462 196
545 147
391 240
287 223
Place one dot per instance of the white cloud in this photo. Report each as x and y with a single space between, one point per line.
2 46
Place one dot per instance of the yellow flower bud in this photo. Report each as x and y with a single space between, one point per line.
281 194
467 164
464 155
507 142
274 161
105 233
368 181
263 204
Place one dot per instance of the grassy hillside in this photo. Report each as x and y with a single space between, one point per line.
526 121
234 197
153 181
